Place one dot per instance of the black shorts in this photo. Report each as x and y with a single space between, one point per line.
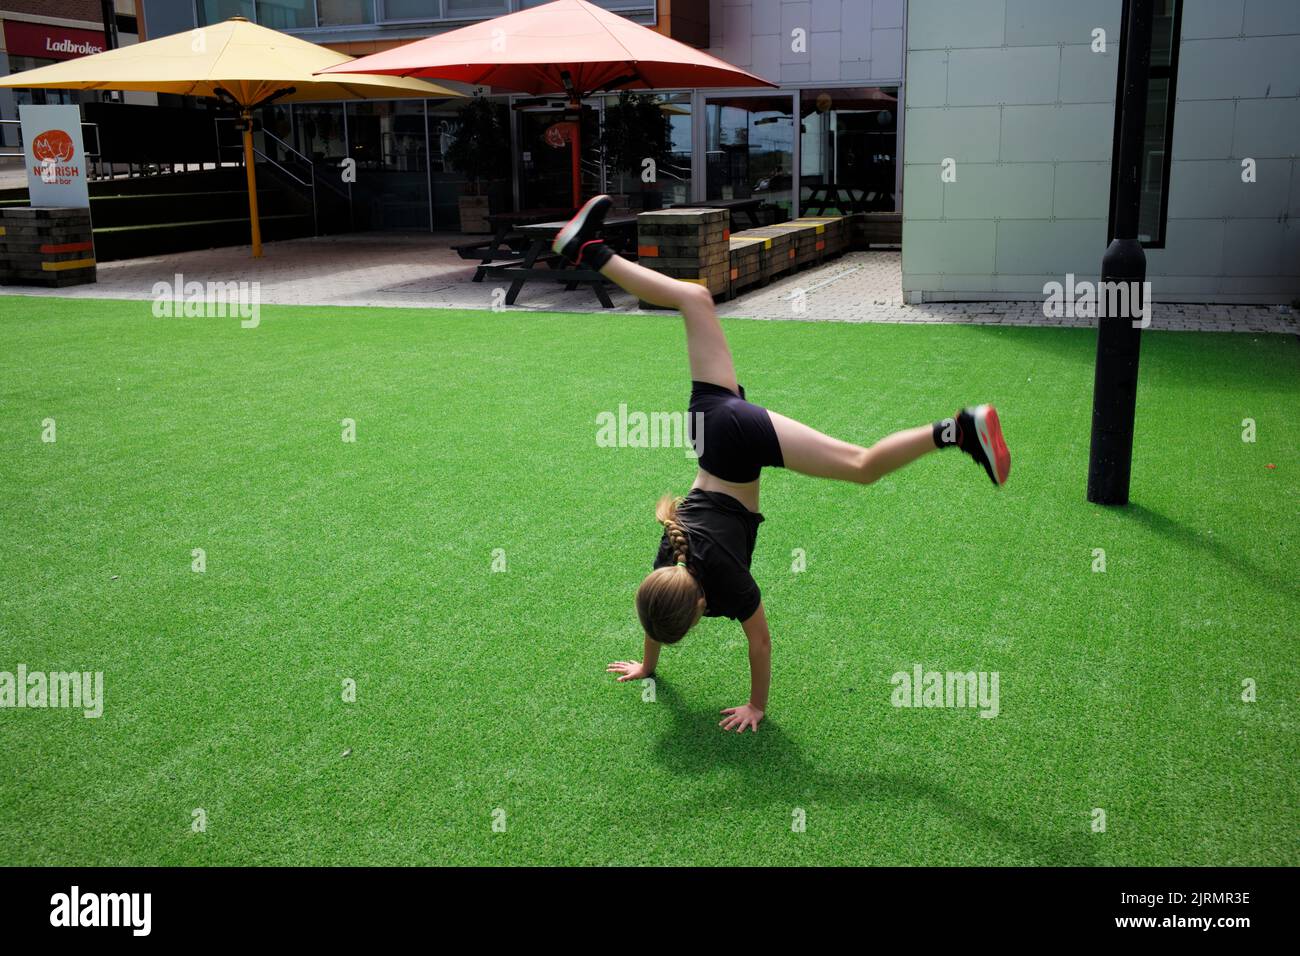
738 437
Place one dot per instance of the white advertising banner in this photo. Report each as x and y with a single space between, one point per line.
55 156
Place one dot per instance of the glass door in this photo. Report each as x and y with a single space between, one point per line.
388 141
320 133
749 150
849 149
647 149
546 157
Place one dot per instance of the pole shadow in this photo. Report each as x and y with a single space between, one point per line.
1192 540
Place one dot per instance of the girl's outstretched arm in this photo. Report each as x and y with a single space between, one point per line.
631 670
760 676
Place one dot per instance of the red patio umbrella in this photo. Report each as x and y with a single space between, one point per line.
566 46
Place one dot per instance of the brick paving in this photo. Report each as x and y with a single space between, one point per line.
421 271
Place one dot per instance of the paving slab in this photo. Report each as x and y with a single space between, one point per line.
423 271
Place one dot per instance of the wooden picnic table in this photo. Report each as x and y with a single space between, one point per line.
746 207
847 199
505 221
618 231
837 196
503 225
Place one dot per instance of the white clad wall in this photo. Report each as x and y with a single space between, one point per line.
1012 91
849 42
1238 98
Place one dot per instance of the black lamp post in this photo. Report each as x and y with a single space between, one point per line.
1119 337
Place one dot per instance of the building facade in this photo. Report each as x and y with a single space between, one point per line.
1010 119
36 33
989 124
835 115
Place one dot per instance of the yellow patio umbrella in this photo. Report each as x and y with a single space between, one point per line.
240 63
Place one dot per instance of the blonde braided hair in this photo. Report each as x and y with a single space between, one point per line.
666 515
669 599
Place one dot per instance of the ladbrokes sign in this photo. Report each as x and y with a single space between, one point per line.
46 42
56 159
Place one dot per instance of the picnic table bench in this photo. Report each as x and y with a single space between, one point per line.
618 231
847 199
507 242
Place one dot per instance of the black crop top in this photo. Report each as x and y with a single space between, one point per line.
722 533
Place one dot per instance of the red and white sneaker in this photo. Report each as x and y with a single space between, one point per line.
582 228
980 436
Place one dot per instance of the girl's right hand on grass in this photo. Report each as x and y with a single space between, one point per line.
630 670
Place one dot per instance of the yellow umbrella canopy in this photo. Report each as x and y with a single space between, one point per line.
236 61
249 62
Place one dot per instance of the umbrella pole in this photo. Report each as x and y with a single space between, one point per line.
252 184
577 156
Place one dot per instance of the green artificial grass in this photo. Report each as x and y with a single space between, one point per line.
480 691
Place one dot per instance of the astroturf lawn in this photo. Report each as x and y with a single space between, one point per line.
479 692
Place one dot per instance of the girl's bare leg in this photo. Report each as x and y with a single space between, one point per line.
655 287
810 452
706 344
803 449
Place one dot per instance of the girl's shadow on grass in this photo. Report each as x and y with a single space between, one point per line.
769 769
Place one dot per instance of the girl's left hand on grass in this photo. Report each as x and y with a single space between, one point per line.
738 718
630 670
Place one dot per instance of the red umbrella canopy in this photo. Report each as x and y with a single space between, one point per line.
530 51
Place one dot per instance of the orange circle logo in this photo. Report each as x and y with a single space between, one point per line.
53 146
560 134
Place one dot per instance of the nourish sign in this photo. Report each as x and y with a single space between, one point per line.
55 156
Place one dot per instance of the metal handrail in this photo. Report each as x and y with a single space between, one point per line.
307 161
266 134
311 183
339 190
258 153
302 158
19 123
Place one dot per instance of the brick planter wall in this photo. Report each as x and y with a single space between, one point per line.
687 244
46 246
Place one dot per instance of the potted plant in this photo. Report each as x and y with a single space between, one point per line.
481 152
636 129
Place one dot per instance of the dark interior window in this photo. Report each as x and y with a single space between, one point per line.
1158 137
